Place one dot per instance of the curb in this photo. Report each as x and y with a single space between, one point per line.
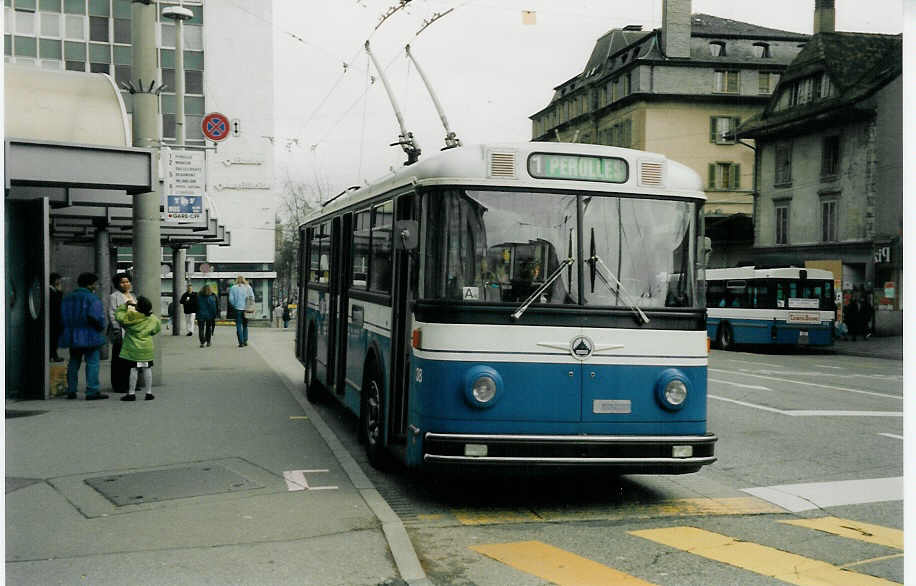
402 550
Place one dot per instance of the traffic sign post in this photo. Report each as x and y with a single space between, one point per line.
215 126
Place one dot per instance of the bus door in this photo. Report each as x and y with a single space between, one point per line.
339 302
404 291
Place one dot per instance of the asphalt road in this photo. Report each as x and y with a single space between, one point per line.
808 486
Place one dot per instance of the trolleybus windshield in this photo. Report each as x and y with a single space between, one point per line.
500 247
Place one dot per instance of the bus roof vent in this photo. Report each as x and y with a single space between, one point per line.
651 173
502 165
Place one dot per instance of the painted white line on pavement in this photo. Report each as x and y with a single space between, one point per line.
810 412
295 480
756 363
828 366
726 382
804 497
892 435
798 382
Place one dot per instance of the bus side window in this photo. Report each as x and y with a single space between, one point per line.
380 266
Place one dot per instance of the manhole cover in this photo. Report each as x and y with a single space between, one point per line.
174 483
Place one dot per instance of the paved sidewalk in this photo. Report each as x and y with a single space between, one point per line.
227 477
890 347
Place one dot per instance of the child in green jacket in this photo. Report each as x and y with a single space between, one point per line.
139 328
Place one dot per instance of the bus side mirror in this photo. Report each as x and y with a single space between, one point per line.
408 234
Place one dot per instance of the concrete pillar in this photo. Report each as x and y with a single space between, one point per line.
146 79
103 270
179 256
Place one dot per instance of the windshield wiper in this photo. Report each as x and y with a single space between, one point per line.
596 260
553 277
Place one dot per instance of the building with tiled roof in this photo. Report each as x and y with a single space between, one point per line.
680 90
830 164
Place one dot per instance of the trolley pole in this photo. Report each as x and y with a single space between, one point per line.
145 87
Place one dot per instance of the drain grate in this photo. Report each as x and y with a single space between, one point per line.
174 483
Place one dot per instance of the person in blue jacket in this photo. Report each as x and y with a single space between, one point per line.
206 314
83 321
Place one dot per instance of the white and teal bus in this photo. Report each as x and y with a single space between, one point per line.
514 304
787 305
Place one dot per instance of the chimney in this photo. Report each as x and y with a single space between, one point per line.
824 16
676 28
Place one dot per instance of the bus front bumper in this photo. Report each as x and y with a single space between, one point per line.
628 453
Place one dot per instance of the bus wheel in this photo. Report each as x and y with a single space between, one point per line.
372 419
725 338
312 390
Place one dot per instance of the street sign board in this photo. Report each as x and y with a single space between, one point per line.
184 187
215 126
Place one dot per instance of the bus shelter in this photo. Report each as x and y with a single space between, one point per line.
70 178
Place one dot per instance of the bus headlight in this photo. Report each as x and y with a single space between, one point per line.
671 389
482 386
484 389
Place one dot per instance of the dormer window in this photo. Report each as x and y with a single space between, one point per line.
761 50
717 49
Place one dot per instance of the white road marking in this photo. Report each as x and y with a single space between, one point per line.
810 412
730 383
798 382
804 497
295 480
755 363
892 435
828 366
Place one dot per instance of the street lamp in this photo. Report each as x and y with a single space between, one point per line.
179 254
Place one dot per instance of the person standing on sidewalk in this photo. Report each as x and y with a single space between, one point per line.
55 298
189 302
239 294
286 315
140 325
83 320
120 368
278 314
206 315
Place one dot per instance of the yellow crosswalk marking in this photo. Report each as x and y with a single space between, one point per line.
556 565
853 530
687 507
768 561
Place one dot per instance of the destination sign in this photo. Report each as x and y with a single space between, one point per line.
578 167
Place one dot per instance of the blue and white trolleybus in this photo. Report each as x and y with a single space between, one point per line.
514 304
785 305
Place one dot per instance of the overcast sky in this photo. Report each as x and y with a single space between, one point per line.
489 70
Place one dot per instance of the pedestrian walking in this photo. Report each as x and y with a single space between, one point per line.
189 302
206 315
55 296
241 297
140 325
278 315
83 321
120 368
286 315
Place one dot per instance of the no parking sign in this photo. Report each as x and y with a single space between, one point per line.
215 126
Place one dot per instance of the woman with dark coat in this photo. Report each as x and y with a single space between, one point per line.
206 315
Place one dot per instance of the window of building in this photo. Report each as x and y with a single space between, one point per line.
49 49
75 27
826 86
782 223
194 82
722 129
75 6
99 68
782 171
724 176
193 38
75 66
602 96
767 81
726 82
7 44
168 35
761 50
122 74
50 24
717 49
625 87
830 156
49 5
122 30
25 22
168 125
829 220
25 47
99 53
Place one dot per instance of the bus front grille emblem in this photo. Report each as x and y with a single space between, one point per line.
581 347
